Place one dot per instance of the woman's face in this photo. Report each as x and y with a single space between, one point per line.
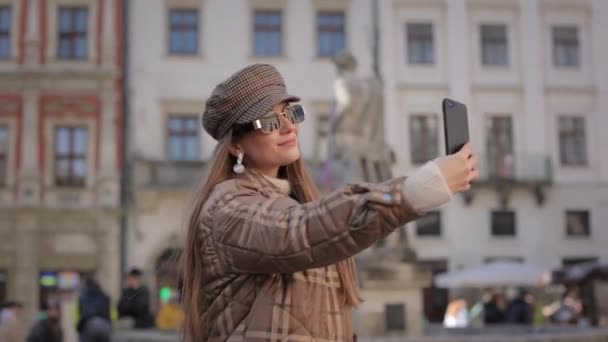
266 152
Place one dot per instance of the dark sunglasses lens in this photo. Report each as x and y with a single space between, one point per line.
270 124
290 115
295 114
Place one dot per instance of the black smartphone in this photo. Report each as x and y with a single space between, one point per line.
455 125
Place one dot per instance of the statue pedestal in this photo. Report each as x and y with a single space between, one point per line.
392 297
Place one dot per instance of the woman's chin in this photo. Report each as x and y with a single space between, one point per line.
291 157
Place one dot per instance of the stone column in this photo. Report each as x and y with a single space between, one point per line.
459 79
389 73
108 254
29 174
532 78
32 35
458 35
599 27
108 179
108 130
26 264
109 34
535 115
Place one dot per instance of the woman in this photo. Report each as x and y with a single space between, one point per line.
266 257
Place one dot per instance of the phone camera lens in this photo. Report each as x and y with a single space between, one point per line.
450 104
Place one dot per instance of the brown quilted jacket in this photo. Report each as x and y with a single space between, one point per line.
252 233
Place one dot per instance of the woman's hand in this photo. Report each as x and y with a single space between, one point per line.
459 169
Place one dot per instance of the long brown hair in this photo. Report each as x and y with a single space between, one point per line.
304 190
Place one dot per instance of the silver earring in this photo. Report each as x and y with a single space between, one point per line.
239 168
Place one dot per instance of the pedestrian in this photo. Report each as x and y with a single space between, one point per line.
94 324
266 257
11 329
456 314
134 301
170 316
48 328
493 309
519 310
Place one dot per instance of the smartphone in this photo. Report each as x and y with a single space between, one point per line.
455 125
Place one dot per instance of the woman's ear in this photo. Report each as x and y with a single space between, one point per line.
235 150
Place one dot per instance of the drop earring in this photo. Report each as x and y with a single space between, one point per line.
239 168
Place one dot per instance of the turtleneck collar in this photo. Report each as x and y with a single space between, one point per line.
282 184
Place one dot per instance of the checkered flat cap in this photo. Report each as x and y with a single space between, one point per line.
245 96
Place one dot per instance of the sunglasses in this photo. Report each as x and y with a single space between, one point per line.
271 122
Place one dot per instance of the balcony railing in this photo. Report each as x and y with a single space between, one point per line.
518 168
163 173
522 168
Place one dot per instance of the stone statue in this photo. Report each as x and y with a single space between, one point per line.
359 102
357 147
358 152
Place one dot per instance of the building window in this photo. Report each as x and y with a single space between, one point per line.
578 260
503 223
492 259
423 138
499 133
183 138
572 141
494 47
420 47
5 32
577 223
394 317
73 25
4 147
268 36
429 224
331 36
71 145
183 31
566 50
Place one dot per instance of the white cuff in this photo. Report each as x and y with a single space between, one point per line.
426 189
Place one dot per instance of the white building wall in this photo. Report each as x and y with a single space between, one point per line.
530 90
600 11
225 47
533 93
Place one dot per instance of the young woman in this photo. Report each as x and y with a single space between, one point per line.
266 257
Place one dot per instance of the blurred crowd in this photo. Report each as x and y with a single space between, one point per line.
94 317
522 309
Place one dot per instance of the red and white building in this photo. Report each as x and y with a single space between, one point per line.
61 141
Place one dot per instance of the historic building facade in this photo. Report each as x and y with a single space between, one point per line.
61 133
530 71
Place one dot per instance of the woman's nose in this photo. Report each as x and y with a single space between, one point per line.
286 125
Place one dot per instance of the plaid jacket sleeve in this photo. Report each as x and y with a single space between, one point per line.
257 234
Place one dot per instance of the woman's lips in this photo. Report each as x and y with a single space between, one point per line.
289 142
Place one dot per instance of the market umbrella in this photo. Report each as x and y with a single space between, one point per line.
497 273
